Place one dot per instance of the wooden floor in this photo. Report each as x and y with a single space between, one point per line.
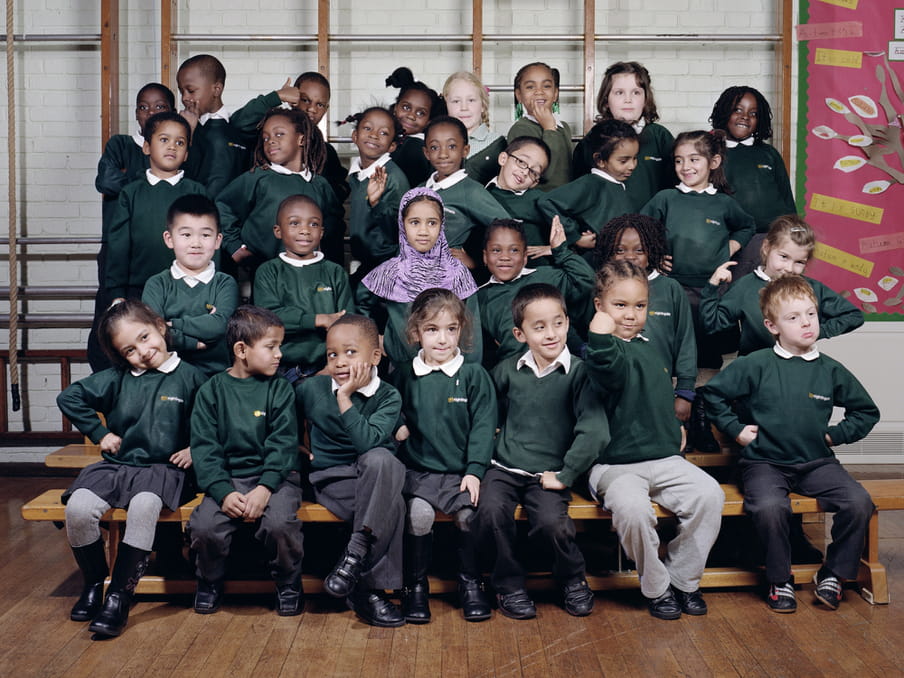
739 637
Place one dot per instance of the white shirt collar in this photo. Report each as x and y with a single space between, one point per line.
153 179
204 276
731 143
554 115
368 389
480 133
608 177
222 114
419 135
636 336
563 360
367 173
449 368
448 182
761 274
684 188
298 263
495 182
138 138
496 281
653 275
168 365
279 169
639 125
782 352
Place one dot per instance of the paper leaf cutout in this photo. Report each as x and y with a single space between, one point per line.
849 163
876 187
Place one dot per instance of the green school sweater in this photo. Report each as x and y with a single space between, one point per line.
297 294
791 401
634 382
570 273
698 227
149 412
559 141
338 439
556 423
248 207
224 154
670 328
198 313
374 231
524 208
121 163
760 182
483 165
741 303
654 171
452 420
135 248
409 156
392 318
585 204
242 428
468 210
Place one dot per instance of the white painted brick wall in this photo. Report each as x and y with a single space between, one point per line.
58 91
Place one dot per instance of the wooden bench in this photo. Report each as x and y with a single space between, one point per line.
871 580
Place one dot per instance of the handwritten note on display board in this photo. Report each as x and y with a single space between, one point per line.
850 161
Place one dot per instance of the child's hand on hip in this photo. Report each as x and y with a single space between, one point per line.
110 443
747 435
549 480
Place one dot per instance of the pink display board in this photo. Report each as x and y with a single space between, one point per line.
850 167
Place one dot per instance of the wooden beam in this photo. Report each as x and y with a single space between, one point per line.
785 76
323 38
109 69
477 42
589 63
168 66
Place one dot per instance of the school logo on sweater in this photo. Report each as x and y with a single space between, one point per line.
173 399
323 288
454 399
714 222
260 413
765 167
664 314
653 158
816 396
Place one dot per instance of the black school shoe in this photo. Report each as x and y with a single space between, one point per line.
781 598
374 608
828 590
691 603
665 606
517 605
474 604
341 581
289 600
208 597
578 598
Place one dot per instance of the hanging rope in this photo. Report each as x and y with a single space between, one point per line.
13 259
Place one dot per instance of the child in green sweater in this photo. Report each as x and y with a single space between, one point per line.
135 247
377 186
449 409
553 428
521 166
416 105
586 204
786 249
351 414
626 94
306 291
537 115
468 208
244 445
643 462
787 394
505 254
193 297
146 400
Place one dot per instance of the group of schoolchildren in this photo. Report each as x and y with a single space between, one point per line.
506 334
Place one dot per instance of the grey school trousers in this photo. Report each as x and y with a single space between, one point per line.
279 529
677 485
368 494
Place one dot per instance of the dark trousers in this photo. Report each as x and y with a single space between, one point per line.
368 494
766 488
279 529
547 516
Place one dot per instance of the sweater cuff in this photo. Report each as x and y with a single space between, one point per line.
599 341
567 476
97 433
475 469
220 490
271 480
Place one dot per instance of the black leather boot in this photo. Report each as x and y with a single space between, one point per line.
416 593
700 433
131 564
93 563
